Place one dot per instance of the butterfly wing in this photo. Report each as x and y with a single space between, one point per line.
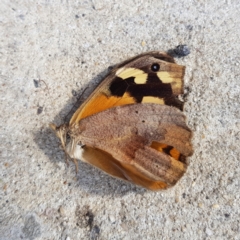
120 141
150 77
128 172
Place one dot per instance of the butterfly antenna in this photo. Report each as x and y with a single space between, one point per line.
76 164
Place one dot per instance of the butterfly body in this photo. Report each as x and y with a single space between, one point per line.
132 126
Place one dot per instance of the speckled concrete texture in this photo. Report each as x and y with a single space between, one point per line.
50 52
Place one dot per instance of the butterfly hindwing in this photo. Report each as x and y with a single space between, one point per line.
123 148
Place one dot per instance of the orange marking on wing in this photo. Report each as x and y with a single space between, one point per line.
158 146
161 148
99 104
175 153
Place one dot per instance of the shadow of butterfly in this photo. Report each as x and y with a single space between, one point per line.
132 126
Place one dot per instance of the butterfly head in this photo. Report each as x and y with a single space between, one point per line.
72 148
61 132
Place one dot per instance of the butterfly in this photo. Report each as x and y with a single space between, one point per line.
132 126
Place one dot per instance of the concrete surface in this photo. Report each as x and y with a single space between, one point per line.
66 46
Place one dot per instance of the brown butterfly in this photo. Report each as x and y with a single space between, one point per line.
132 126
